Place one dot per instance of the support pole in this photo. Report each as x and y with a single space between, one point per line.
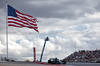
7 28
47 39
42 51
34 50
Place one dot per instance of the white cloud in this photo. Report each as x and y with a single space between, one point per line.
2 48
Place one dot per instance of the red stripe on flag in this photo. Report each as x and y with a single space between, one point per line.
23 14
34 27
22 21
16 23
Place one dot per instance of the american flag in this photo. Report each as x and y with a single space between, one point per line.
18 19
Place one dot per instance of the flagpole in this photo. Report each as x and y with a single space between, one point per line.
7 29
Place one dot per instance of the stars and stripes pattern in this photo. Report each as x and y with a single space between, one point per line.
18 19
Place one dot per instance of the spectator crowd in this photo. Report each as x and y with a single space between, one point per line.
84 56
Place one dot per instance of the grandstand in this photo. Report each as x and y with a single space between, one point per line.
84 56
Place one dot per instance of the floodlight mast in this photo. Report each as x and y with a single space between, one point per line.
47 39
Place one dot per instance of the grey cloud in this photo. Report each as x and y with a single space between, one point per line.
97 7
2 4
54 9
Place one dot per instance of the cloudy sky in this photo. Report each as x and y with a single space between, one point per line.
71 25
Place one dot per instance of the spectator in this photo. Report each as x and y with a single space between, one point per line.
83 56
